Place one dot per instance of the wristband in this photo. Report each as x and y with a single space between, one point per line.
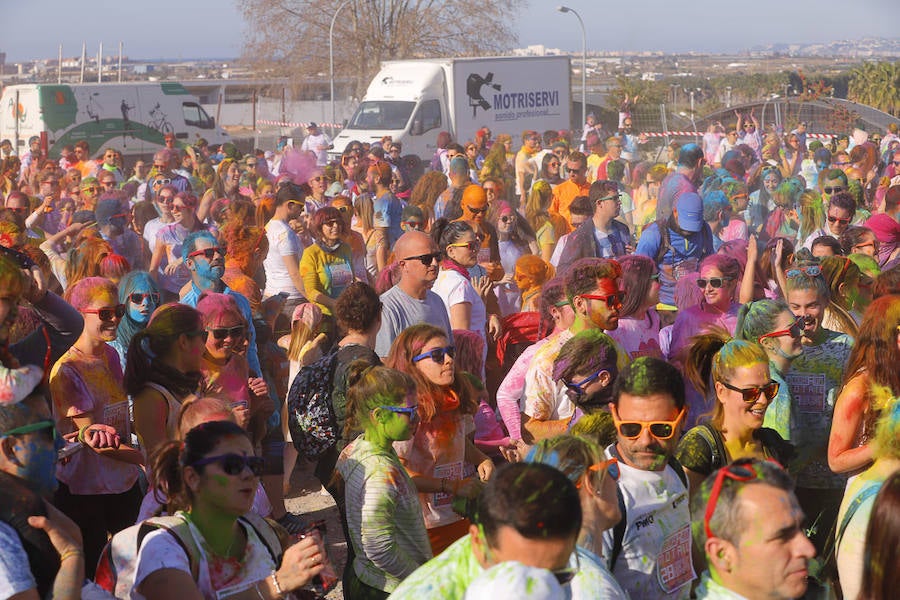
275 584
69 554
81 433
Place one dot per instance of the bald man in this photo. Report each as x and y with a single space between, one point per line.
411 301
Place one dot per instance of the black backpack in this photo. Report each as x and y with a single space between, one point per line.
311 419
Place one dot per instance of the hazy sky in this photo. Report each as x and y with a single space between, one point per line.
173 28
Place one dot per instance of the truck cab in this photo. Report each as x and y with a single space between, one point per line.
407 100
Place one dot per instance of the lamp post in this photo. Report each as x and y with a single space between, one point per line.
566 9
331 54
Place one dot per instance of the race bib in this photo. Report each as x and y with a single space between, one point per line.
341 275
673 564
808 391
452 472
116 415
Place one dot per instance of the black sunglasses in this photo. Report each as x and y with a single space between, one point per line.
426 259
138 297
234 464
833 190
752 394
716 282
477 211
107 314
220 333
437 355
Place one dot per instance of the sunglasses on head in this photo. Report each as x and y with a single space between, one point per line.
426 259
715 282
107 314
795 330
661 430
838 220
613 301
234 464
409 411
438 355
810 271
740 470
221 333
139 297
469 245
610 466
209 253
752 394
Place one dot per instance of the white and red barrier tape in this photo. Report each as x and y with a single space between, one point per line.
657 134
295 125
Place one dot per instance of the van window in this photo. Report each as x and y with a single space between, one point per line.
195 116
429 115
381 114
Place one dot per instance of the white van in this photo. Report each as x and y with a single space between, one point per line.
413 100
131 117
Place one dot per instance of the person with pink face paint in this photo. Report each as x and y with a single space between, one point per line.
98 487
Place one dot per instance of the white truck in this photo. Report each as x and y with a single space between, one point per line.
413 100
132 117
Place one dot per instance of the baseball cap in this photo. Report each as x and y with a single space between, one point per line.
312 125
690 212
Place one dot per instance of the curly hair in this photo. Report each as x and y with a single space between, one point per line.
584 273
358 307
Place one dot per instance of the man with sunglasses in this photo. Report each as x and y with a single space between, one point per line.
90 192
650 549
164 161
411 300
747 521
112 220
528 513
592 288
841 208
42 549
205 259
602 236
575 185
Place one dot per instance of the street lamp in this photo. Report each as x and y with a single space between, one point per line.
331 54
566 9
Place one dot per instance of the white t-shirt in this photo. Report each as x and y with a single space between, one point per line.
161 550
15 572
454 289
151 228
312 143
282 242
655 560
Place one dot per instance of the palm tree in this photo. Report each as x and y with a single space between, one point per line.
876 84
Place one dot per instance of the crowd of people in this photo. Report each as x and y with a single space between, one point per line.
559 371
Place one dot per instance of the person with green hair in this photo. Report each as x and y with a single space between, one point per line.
739 373
595 477
772 325
387 531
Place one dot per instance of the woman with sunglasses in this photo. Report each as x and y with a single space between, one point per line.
595 478
99 488
440 450
167 263
719 277
139 294
550 171
387 531
772 325
871 384
327 266
162 370
464 303
743 389
211 478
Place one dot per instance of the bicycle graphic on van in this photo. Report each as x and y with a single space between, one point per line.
159 122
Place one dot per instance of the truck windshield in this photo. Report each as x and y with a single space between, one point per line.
382 114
